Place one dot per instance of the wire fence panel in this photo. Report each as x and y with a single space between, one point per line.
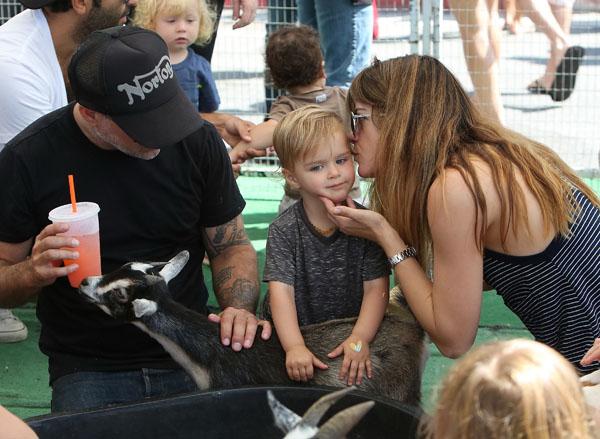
9 8
571 127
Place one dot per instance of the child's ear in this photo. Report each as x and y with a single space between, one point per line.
290 178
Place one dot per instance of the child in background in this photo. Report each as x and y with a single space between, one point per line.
295 60
315 272
181 23
511 389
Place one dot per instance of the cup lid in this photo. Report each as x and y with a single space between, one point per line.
65 214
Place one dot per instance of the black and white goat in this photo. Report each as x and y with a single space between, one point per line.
135 294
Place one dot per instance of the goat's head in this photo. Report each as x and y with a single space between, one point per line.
132 291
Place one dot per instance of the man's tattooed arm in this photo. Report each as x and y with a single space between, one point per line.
233 264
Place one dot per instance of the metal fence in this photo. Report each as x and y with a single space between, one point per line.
571 127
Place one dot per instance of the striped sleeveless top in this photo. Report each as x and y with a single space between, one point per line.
556 293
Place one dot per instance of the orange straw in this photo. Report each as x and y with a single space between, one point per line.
72 192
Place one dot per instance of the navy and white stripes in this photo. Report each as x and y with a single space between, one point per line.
556 293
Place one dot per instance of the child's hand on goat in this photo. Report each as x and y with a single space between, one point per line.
299 362
357 360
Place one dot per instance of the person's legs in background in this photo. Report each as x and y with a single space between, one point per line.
12 329
555 23
346 32
86 390
481 45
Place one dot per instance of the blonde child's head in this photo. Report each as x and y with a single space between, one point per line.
146 12
301 132
298 139
511 389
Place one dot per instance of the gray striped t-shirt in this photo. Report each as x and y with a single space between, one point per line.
327 273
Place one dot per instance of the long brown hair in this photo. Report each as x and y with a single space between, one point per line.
427 124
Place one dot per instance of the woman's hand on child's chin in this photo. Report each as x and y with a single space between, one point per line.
363 223
357 360
330 202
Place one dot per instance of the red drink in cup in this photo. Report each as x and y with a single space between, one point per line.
83 226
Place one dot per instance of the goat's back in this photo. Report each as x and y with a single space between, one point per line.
397 354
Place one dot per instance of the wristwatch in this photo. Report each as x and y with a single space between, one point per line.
408 252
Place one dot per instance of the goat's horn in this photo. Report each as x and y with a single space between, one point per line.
339 425
174 266
316 411
285 419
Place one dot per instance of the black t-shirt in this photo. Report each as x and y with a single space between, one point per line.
149 211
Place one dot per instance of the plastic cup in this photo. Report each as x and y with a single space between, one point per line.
83 226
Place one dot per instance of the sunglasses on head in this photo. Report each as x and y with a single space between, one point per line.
355 121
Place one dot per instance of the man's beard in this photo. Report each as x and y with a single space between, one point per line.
98 18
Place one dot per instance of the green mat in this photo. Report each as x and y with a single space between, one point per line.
23 369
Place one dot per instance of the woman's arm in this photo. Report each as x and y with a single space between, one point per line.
449 308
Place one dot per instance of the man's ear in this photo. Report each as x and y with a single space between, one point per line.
290 178
90 116
82 7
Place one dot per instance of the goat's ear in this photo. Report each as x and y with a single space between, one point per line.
174 266
142 307
285 419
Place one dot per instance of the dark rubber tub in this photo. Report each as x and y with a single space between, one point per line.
237 413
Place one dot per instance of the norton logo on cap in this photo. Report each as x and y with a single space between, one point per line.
148 82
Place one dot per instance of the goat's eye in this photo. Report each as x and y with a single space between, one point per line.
121 295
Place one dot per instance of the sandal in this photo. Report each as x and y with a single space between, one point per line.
537 88
566 74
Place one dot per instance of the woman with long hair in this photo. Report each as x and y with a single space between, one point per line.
478 204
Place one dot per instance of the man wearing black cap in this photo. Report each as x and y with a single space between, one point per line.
35 49
164 183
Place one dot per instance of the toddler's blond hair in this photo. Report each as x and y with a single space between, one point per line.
147 10
511 389
299 133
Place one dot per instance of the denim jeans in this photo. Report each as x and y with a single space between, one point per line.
86 390
346 31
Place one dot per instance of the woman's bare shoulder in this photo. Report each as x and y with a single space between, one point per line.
452 191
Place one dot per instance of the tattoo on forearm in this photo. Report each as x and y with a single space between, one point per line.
221 277
242 294
227 235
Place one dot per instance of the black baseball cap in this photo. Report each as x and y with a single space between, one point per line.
125 73
36 4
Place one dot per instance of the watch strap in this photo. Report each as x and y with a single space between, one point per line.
408 252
